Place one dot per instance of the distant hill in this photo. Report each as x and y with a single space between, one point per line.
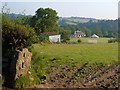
67 20
103 28
14 16
76 20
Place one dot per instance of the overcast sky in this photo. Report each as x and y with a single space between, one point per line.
100 9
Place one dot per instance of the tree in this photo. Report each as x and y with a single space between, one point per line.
65 34
23 19
105 33
45 20
86 31
97 31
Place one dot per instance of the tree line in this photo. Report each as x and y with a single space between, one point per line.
103 28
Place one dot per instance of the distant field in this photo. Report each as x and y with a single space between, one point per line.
85 40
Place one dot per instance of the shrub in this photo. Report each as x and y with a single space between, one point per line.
44 38
79 41
65 34
112 40
65 41
15 36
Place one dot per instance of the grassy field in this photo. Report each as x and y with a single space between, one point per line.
46 56
86 40
77 53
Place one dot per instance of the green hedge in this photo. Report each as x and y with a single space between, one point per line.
15 36
114 40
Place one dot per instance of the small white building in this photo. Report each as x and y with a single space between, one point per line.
53 36
94 36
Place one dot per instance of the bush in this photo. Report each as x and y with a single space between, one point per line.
112 40
65 34
44 39
64 41
79 41
15 36
118 40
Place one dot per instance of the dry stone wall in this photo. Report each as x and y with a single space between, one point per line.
20 63
23 63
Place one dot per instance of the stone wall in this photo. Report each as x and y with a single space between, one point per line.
14 65
20 63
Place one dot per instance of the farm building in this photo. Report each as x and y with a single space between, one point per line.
79 34
52 36
94 36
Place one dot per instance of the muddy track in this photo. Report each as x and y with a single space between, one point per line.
66 77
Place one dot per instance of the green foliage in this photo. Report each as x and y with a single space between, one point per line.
25 81
79 41
15 36
22 82
44 38
114 40
111 41
86 31
38 64
97 31
65 35
23 20
45 20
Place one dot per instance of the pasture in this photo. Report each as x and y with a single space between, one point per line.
48 55
85 40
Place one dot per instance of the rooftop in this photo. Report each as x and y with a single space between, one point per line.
50 33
